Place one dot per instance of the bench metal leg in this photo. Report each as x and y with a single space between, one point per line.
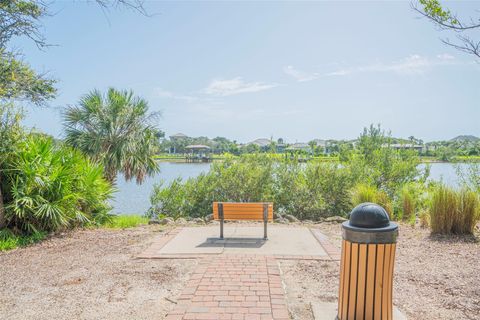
221 216
221 229
265 220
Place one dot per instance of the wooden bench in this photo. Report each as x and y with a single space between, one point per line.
255 211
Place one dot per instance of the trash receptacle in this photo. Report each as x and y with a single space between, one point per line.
366 267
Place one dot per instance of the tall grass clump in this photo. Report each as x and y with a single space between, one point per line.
453 212
369 193
364 193
443 210
408 204
468 212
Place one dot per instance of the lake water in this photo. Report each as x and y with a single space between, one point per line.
135 199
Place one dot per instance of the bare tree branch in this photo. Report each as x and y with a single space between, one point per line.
468 45
136 5
445 20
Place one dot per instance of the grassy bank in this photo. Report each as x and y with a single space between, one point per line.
126 221
9 241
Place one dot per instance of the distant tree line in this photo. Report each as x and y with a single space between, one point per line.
442 150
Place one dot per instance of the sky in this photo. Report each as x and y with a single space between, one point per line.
247 70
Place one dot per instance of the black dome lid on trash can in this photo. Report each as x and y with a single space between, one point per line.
369 217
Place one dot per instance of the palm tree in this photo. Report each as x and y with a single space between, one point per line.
116 130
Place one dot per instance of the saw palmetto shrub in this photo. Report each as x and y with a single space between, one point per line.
48 186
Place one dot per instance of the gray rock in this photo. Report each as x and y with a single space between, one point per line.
307 221
181 221
198 220
214 222
291 218
281 220
154 221
336 219
277 215
209 217
166 221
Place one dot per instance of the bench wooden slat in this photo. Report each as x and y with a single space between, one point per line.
243 211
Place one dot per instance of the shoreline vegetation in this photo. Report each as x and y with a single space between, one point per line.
316 190
49 186
171 157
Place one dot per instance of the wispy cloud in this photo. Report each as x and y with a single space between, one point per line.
170 95
299 75
228 87
412 65
445 56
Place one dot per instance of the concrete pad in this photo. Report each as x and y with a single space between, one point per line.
244 240
328 311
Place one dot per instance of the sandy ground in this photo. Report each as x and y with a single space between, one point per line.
91 274
435 277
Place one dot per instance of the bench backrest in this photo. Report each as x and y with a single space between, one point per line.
243 210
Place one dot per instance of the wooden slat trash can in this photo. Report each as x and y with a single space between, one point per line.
366 268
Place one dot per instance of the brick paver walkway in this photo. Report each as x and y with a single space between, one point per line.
233 287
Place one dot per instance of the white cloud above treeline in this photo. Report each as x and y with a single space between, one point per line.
228 87
411 65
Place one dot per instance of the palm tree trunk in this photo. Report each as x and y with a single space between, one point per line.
111 176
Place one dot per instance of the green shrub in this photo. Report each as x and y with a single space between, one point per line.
200 193
453 212
308 191
168 200
126 221
48 187
376 163
332 184
248 179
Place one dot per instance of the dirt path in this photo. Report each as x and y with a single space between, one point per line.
90 274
